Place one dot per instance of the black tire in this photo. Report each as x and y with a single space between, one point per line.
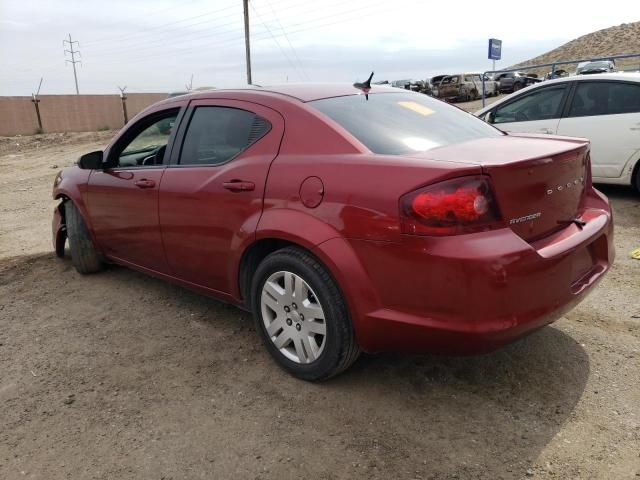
516 87
340 348
474 95
84 256
635 180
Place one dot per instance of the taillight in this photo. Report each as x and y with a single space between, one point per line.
452 207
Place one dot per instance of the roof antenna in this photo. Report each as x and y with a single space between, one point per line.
365 86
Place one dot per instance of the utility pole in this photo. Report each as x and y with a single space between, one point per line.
245 4
123 97
36 101
73 60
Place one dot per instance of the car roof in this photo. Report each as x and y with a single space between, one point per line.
622 76
305 92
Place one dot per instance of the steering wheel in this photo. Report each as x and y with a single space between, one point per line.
156 157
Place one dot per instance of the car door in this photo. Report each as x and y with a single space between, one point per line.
211 195
608 114
123 198
534 111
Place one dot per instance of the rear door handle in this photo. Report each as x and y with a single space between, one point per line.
546 130
239 186
144 183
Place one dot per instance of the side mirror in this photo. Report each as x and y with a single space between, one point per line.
91 161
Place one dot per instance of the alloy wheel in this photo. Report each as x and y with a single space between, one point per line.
293 317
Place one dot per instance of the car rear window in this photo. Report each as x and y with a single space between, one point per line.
402 123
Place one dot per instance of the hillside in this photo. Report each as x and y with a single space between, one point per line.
617 40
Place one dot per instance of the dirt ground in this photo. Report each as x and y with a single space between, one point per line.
122 376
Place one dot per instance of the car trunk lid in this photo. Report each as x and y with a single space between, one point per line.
538 181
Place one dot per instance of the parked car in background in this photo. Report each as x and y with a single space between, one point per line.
419 86
465 87
344 218
514 81
605 108
558 73
602 66
434 83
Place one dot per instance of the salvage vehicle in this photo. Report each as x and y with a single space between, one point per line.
434 83
345 218
465 87
589 68
604 108
514 81
558 73
414 85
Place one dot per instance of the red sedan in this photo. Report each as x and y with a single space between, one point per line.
344 221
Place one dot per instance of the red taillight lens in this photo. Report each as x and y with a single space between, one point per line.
452 207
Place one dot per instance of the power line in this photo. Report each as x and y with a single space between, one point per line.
277 42
172 38
287 38
145 30
233 39
73 60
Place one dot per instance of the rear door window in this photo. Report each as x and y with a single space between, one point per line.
605 98
542 104
217 134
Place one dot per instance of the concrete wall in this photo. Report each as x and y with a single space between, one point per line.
70 113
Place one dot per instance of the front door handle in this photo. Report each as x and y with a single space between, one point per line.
239 186
546 130
144 183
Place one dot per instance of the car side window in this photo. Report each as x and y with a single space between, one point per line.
604 98
217 134
147 141
542 104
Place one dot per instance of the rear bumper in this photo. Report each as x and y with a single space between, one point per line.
473 293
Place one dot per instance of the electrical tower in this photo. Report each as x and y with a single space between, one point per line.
73 60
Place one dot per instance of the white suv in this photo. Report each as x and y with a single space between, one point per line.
605 108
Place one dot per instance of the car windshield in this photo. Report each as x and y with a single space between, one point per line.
403 123
591 65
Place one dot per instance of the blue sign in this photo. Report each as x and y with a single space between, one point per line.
495 49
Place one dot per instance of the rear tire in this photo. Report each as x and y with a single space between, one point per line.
635 180
516 87
301 316
84 255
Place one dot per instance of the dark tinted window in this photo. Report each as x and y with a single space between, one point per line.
542 104
217 134
400 123
605 98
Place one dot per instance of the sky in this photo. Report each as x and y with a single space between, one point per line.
157 45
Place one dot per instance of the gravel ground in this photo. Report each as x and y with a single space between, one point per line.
122 376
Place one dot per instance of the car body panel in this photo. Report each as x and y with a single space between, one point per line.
125 217
619 143
197 240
